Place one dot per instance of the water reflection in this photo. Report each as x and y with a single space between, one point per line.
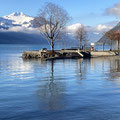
72 89
51 92
109 66
81 69
38 61
70 84
52 80
114 71
52 83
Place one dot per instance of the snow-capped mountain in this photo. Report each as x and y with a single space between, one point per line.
15 19
19 22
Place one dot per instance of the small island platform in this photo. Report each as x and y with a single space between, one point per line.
66 53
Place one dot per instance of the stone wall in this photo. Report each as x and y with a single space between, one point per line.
31 54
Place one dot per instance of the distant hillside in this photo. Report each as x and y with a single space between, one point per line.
21 38
105 39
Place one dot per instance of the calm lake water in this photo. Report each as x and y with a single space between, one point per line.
72 89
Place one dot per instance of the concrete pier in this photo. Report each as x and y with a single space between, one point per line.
67 53
103 53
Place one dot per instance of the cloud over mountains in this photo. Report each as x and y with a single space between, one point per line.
114 10
19 22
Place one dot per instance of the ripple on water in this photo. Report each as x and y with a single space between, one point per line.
61 89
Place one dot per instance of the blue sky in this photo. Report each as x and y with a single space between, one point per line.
89 12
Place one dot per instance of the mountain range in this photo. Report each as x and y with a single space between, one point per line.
17 28
20 28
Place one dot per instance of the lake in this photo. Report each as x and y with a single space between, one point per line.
71 89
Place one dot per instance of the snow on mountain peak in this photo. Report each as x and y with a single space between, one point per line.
17 14
19 18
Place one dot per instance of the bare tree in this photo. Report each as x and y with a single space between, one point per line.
117 38
51 20
111 36
114 35
81 36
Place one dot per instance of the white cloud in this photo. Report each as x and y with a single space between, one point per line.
94 32
73 27
98 28
115 10
103 28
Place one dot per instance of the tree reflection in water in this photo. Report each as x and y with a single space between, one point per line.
110 67
51 92
54 77
81 70
114 72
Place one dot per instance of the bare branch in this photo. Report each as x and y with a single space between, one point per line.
113 35
51 21
81 36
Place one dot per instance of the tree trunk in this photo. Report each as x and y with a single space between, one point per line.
118 44
103 46
111 45
52 46
80 43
